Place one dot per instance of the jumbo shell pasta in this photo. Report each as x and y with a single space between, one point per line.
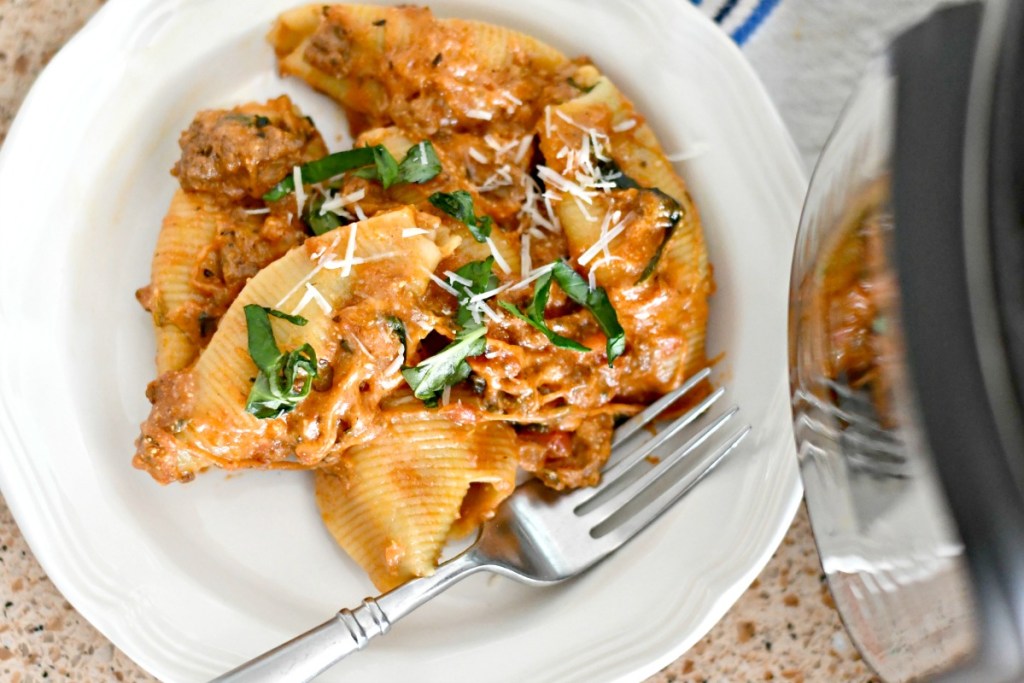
503 265
445 477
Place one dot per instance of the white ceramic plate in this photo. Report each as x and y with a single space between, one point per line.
190 580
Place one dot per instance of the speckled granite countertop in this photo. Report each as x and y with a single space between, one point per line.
783 628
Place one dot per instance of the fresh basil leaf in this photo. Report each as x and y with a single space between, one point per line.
539 324
293 319
459 205
302 359
541 293
318 222
284 379
571 282
387 167
276 393
610 171
480 274
262 345
596 301
323 169
675 214
448 366
262 121
420 164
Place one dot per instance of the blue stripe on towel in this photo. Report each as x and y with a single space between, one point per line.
756 18
724 12
745 15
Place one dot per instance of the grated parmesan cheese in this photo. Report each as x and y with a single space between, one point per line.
560 182
395 365
498 258
321 263
458 279
488 311
350 249
444 285
335 203
476 156
313 294
363 348
603 241
623 126
412 232
525 261
300 191
524 146
479 114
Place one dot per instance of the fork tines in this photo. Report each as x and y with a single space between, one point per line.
633 491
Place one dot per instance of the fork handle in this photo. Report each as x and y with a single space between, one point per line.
305 656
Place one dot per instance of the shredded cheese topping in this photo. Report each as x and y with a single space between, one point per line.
498 258
300 191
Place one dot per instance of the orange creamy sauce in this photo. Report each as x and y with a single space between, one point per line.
562 403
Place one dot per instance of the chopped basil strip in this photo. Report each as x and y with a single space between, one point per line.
611 172
596 301
262 121
419 165
293 319
373 163
535 315
323 169
459 205
384 169
482 279
319 222
284 379
447 367
536 320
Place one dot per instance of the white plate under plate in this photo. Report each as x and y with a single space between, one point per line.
191 579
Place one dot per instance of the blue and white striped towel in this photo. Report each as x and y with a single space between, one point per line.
811 53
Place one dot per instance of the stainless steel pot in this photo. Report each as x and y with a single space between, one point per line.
907 351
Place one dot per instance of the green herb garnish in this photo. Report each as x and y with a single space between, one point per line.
420 164
482 279
374 163
284 379
611 172
459 205
447 367
293 319
320 221
596 301
384 168
534 315
322 169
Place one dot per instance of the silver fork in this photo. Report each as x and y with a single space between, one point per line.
538 536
